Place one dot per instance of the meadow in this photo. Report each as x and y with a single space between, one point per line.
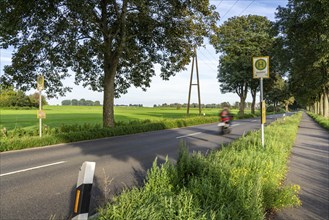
56 116
64 124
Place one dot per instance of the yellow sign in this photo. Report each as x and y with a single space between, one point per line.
41 114
261 67
40 82
263 112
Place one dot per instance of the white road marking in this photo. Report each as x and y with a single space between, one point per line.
254 120
235 125
189 135
32 168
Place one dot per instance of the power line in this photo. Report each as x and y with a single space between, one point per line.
210 60
230 9
219 3
247 7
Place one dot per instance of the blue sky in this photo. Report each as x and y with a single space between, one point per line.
176 89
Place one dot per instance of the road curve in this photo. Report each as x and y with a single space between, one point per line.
40 183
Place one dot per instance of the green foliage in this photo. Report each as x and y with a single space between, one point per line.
239 39
109 45
304 35
241 181
17 99
324 122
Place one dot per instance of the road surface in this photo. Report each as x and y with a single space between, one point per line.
40 183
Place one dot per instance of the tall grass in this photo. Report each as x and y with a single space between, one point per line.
241 181
324 122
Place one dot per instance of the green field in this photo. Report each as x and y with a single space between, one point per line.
59 115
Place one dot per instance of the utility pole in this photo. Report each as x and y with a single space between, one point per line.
195 57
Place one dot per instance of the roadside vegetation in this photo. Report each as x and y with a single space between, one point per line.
242 180
323 121
64 124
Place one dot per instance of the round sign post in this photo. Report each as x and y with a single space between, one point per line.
261 69
41 114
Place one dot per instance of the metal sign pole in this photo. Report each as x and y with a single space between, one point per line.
40 119
262 109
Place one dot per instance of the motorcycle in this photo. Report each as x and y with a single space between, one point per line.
225 125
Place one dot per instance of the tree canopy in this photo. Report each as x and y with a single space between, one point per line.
304 33
109 45
238 40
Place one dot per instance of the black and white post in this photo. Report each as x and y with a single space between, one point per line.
261 69
83 191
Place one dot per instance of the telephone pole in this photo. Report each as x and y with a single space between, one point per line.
195 57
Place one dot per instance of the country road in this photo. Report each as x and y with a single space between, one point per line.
40 183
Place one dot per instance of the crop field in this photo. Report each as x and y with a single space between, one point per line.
59 115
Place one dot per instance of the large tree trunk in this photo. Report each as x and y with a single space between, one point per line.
321 105
326 103
108 101
242 105
253 103
242 93
111 59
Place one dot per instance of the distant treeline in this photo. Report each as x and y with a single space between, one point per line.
81 102
196 105
193 105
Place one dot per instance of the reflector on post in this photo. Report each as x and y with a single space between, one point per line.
83 191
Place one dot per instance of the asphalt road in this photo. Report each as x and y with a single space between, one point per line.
40 183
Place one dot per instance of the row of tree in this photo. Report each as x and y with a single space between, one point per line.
304 42
297 44
112 45
213 105
81 102
17 98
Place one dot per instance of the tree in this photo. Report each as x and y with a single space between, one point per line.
304 33
110 45
239 39
74 102
34 99
14 98
66 102
278 92
82 102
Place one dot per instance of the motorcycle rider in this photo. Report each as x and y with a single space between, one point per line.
225 115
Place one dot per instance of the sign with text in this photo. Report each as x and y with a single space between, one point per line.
261 67
40 82
41 114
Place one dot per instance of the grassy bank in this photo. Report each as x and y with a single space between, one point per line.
241 181
66 124
324 122
21 138
72 115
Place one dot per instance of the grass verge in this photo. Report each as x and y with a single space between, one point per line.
21 138
324 122
241 181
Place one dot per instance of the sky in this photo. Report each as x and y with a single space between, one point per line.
176 89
